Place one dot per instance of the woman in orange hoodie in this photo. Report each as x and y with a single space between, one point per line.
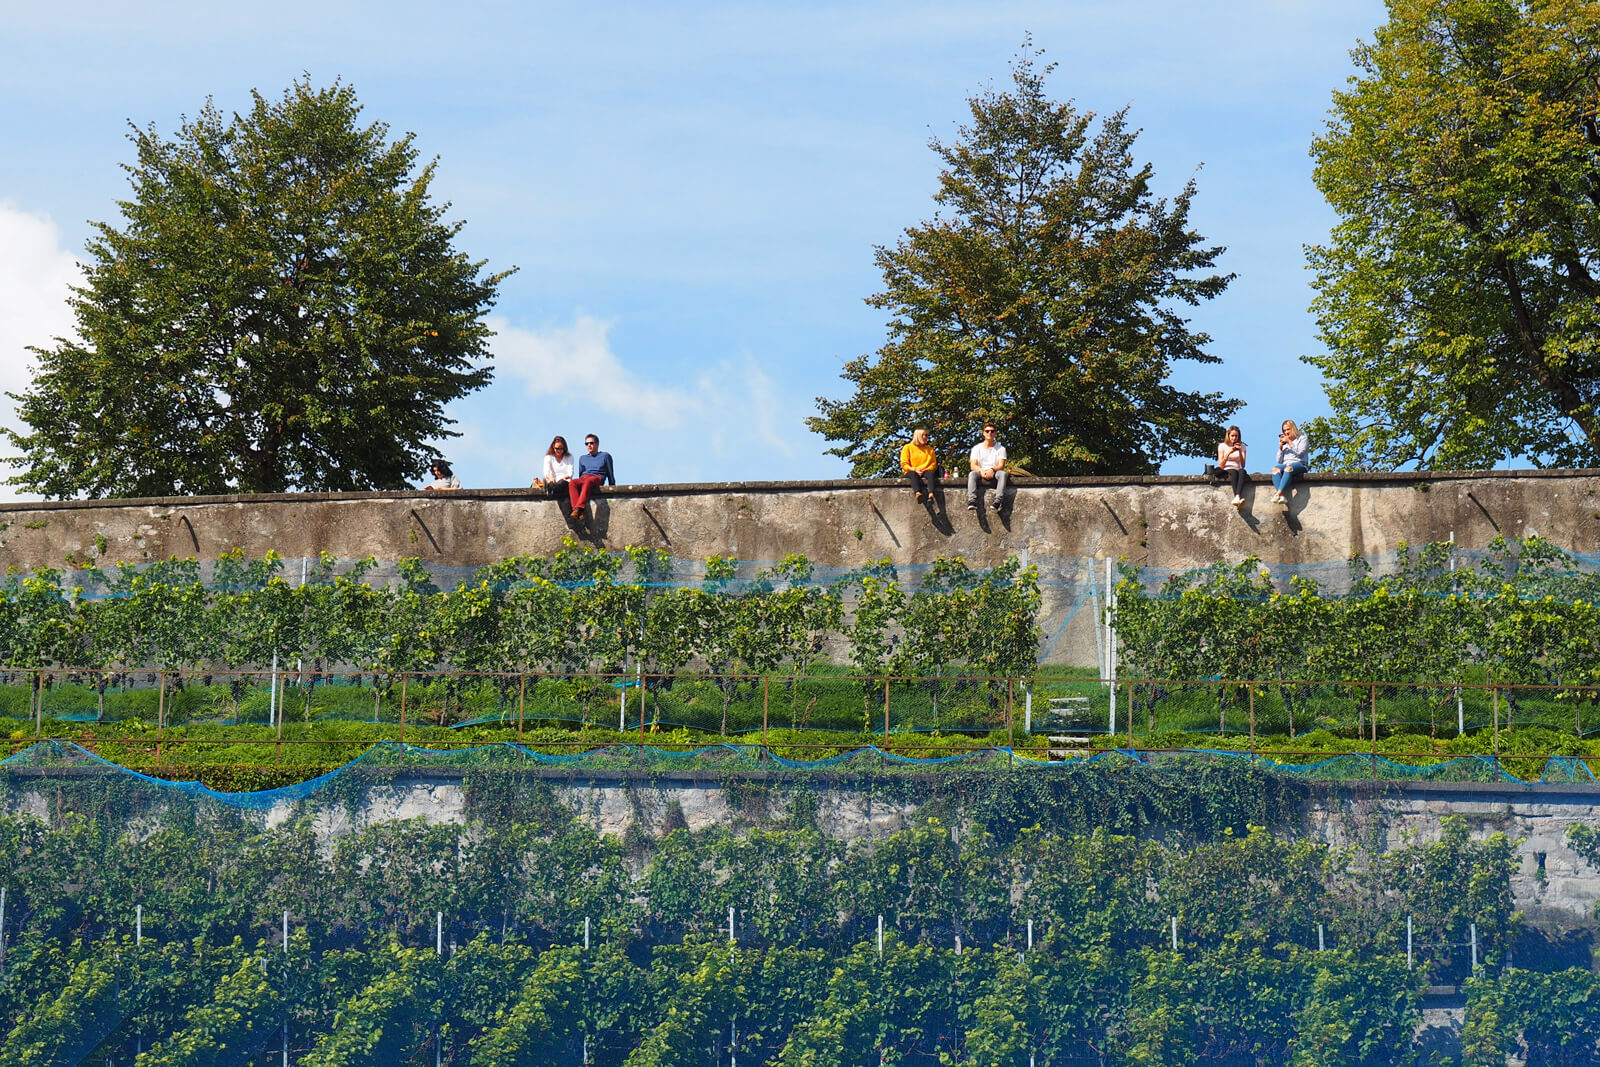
920 465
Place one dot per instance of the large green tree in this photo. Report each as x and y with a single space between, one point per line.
1046 294
280 308
1457 296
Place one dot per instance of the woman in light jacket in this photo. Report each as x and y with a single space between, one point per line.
1294 457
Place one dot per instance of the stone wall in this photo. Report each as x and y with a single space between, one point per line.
1065 525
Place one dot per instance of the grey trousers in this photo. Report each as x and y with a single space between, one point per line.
974 480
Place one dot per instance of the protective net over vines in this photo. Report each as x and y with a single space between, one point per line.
1428 643
496 906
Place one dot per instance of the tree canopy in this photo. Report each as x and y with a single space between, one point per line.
1457 295
1045 294
280 308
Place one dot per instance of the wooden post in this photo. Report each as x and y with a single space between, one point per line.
161 710
402 709
886 713
1251 691
1011 711
522 695
766 679
1494 693
277 745
1374 729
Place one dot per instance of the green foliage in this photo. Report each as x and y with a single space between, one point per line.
1046 295
1456 294
1524 615
1545 1019
362 981
282 308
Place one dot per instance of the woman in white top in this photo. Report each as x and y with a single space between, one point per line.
442 477
558 468
1230 457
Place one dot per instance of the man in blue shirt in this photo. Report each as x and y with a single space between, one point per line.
594 467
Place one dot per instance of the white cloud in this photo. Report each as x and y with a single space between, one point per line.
36 273
730 421
571 360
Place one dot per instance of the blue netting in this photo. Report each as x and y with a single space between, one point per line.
57 754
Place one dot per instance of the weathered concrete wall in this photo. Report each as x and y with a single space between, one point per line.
1062 524
1158 521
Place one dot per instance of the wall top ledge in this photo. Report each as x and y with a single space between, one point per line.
1022 483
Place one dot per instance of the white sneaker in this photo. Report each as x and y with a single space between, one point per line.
1238 501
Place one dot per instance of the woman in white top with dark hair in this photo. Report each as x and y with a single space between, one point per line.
443 476
558 468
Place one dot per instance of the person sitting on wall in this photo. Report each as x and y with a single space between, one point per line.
920 465
594 467
442 477
1230 458
1294 457
988 461
558 469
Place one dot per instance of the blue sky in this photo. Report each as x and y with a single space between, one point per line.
692 192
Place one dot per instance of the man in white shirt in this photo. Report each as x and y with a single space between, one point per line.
988 461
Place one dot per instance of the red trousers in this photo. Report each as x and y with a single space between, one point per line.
578 489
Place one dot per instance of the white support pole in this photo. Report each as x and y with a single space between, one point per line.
730 924
1410 959
2 929
1173 919
1461 712
438 933
286 931
1111 649
272 692
1322 944
1099 636
1030 935
958 944
138 924
586 933
1027 709
880 937
1473 931
622 706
